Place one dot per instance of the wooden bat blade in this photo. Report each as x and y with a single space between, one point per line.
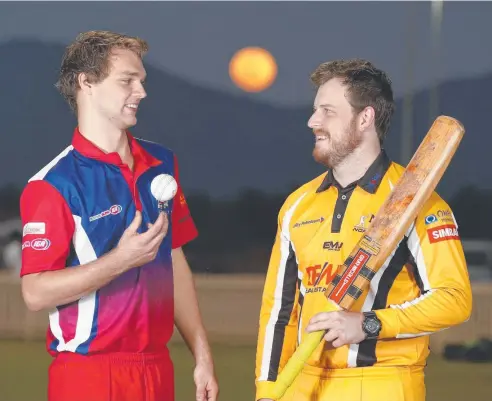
386 230
397 213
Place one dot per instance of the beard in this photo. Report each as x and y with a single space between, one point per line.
338 148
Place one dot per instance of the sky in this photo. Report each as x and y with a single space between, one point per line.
195 40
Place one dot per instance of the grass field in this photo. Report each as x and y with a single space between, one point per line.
23 370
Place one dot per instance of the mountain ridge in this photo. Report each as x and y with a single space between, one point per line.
224 142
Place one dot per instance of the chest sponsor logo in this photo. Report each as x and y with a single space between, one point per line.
38 244
320 276
303 223
332 246
364 222
443 233
115 209
34 228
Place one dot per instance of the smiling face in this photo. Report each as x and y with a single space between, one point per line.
116 98
334 124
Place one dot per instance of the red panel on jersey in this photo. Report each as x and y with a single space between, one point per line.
184 229
48 228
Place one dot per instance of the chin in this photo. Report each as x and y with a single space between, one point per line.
129 123
321 155
321 158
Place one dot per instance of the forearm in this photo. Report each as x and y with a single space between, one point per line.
49 289
186 311
438 309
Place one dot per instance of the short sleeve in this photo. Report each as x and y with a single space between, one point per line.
48 228
183 227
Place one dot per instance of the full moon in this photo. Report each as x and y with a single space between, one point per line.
253 69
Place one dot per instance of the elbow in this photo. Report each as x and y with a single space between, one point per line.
468 308
464 303
32 300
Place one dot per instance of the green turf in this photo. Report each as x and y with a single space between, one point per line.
23 371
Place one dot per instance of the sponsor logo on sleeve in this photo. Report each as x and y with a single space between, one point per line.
441 216
431 218
38 244
443 233
34 228
445 216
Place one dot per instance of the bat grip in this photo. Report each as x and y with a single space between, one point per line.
296 362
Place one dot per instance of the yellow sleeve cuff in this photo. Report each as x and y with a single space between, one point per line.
264 389
390 324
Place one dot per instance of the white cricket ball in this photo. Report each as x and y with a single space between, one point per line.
163 187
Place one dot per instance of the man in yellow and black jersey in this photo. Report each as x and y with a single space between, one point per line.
378 350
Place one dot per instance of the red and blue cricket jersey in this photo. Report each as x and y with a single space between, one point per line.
74 211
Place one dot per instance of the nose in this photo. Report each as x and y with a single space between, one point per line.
314 121
141 93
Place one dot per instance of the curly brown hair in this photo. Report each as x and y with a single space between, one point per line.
366 86
89 53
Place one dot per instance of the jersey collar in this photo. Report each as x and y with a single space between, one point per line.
370 181
86 148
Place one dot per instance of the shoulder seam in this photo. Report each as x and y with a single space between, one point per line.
46 169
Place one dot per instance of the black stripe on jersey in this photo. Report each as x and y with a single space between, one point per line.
416 275
286 306
300 302
301 297
341 206
367 348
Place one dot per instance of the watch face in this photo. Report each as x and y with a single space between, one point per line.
372 326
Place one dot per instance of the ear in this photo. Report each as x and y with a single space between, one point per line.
366 118
84 83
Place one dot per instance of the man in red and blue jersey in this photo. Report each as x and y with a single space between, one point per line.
97 251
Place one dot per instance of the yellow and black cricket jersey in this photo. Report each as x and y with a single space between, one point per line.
423 286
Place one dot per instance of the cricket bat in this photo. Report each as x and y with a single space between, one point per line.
386 230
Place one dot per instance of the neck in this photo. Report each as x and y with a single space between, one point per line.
105 136
354 166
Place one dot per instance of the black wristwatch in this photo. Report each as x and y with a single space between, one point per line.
371 325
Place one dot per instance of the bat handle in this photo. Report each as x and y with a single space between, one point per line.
296 362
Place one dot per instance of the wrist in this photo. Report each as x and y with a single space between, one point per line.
202 353
118 262
204 358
